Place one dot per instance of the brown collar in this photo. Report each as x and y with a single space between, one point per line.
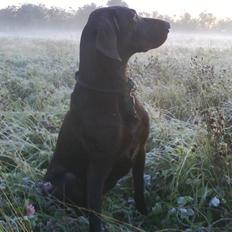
129 87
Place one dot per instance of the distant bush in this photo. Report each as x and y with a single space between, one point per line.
30 16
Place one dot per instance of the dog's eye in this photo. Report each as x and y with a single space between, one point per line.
132 18
135 16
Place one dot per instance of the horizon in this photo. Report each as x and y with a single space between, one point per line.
221 9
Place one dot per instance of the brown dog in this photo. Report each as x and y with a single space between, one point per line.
104 132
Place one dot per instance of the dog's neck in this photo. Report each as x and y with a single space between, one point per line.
100 71
104 74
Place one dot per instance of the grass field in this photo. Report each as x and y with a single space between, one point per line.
186 86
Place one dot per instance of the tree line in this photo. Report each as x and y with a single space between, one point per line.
30 16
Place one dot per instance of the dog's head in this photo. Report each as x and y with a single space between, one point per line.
119 32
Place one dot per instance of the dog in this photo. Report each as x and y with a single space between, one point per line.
104 133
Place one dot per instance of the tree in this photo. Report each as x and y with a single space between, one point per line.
58 17
116 3
31 15
186 22
83 13
206 20
7 18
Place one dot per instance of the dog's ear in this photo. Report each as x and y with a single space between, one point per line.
106 40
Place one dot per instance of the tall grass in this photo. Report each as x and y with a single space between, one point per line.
187 91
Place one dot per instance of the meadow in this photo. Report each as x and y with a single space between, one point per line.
185 85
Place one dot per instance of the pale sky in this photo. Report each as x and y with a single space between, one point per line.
220 8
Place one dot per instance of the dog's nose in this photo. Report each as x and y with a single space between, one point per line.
165 25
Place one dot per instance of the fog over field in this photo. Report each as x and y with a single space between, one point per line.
43 34
185 86
184 39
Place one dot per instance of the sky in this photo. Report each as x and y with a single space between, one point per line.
220 8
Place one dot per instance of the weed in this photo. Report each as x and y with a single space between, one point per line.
187 92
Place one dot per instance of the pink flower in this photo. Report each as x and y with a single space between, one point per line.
30 210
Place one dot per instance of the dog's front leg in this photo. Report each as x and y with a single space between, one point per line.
96 176
138 179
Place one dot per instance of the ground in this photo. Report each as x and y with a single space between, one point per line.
186 86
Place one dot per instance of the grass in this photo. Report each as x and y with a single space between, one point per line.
187 90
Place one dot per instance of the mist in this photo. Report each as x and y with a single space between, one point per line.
38 21
42 34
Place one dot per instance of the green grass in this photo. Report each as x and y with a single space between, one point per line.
186 87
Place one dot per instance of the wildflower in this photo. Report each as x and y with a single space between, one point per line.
30 210
46 187
214 202
26 180
172 211
181 201
183 211
190 212
2 186
186 212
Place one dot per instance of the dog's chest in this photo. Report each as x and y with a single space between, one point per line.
131 140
